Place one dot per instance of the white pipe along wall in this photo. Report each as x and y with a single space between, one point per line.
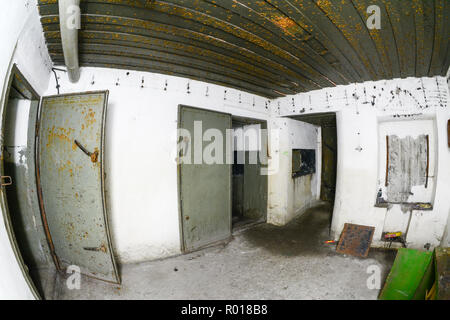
70 23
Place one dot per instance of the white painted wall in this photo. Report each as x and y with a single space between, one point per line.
141 172
446 239
290 197
360 108
22 43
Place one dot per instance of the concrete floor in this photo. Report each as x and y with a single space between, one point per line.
262 262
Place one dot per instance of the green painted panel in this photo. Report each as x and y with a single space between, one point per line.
255 188
426 283
72 182
407 273
238 195
205 189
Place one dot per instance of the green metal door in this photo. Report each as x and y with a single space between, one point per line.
205 189
71 176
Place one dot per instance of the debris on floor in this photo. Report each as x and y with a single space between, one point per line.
392 237
355 240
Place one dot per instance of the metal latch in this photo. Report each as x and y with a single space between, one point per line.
6 181
102 248
92 155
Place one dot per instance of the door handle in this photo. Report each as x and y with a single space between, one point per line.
6 178
102 248
92 155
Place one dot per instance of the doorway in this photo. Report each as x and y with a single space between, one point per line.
47 177
204 177
19 197
327 123
249 199
230 191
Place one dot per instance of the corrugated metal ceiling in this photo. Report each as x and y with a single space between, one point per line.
271 48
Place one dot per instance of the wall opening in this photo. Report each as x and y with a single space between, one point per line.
327 123
249 196
329 154
18 167
303 162
221 178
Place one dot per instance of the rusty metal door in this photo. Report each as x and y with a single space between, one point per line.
205 189
70 158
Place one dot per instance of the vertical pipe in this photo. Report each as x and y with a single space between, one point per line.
428 161
386 183
69 21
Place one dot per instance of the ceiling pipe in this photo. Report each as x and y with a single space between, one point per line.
69 21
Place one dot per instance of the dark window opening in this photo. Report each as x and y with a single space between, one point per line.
303 162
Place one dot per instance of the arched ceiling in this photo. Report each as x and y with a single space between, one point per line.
271 48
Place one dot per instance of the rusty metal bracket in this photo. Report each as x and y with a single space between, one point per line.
8 179
92 155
